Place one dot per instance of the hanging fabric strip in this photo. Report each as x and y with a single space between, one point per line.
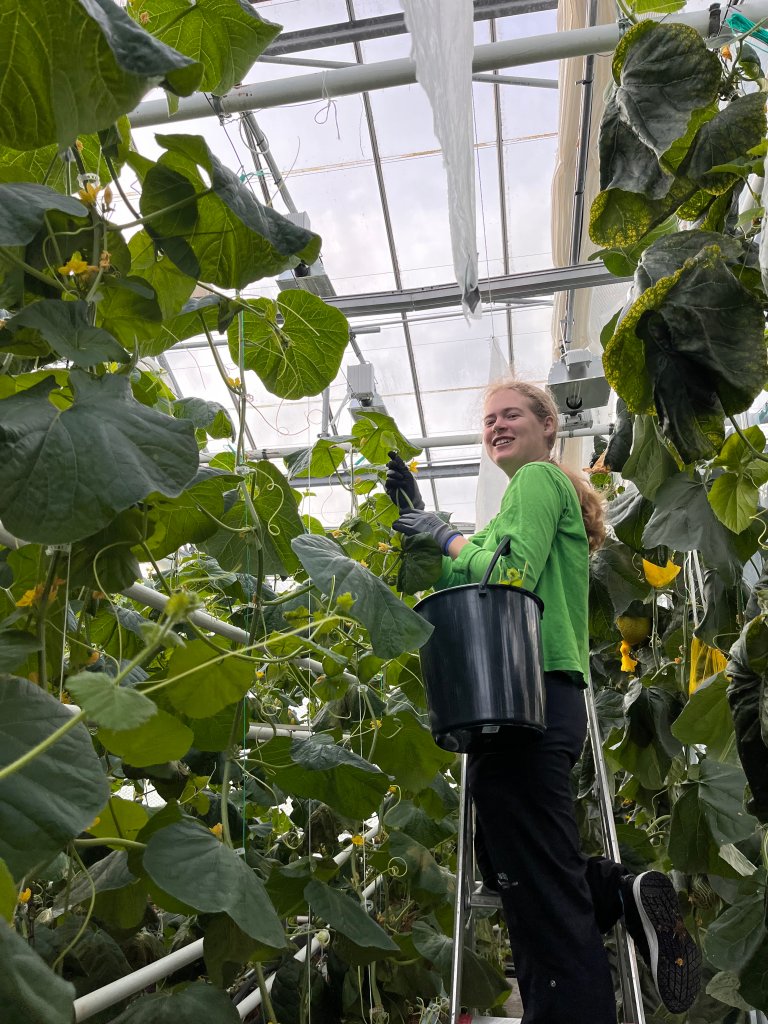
443 46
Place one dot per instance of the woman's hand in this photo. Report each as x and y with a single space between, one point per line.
416 521
401 486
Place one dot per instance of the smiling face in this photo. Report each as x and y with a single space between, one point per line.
513 434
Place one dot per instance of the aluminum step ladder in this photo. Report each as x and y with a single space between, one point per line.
467 899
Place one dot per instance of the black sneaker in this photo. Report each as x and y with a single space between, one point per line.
652 916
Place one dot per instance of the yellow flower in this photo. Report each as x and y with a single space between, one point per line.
89 194
726 52
105 260
259 674
108 196
393 789
30 597
335 533
375 723
76 265
217 829
628 663
413 466
363 563
24 895
384 547
93 824
357 840
234 382
660 577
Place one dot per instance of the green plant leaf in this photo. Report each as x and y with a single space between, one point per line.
665 74
347 916
65 328
278 512
120 818
187 861
613 570
406 751
707 816
208 685
295 344
706 718
734 498
733 131
47 165
322 459
650 462
223 234
106 875
108 704
684 521
481 984
15 647
736 936
322 770
80 66
172 288
23 207
393 627
29 989
187 321
376 434
104 444
225 36
211 417
129 309
161 738
8 893
691 344
188 518
198 1002
421 565
53 797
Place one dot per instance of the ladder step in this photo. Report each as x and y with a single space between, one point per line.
485 898
466 1019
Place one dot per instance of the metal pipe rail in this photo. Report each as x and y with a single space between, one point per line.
386 74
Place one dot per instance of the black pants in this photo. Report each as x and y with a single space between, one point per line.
556 901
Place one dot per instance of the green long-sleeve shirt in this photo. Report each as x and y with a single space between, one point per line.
540 513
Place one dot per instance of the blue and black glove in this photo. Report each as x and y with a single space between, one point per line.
415 521
400 484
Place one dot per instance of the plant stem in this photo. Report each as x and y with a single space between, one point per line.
34 272
129 844
162 580
168 209
747 442
225 780
80 932
118 186
42 621
40 748
266 1000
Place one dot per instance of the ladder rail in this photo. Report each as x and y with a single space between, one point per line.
629 976
463 887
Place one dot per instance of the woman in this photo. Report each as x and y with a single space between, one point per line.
556 901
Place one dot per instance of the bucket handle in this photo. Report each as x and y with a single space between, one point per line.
502 549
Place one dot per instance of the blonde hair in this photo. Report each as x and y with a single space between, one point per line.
542 406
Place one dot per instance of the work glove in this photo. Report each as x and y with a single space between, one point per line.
415 521
400 484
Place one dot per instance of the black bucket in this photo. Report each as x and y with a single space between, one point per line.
482 666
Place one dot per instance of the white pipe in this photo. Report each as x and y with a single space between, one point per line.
87 1005
385 74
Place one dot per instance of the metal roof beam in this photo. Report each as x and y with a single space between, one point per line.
327 85
505 288
389 25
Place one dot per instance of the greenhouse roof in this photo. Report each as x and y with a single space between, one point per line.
367 170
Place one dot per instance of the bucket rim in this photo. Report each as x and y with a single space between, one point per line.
488 586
